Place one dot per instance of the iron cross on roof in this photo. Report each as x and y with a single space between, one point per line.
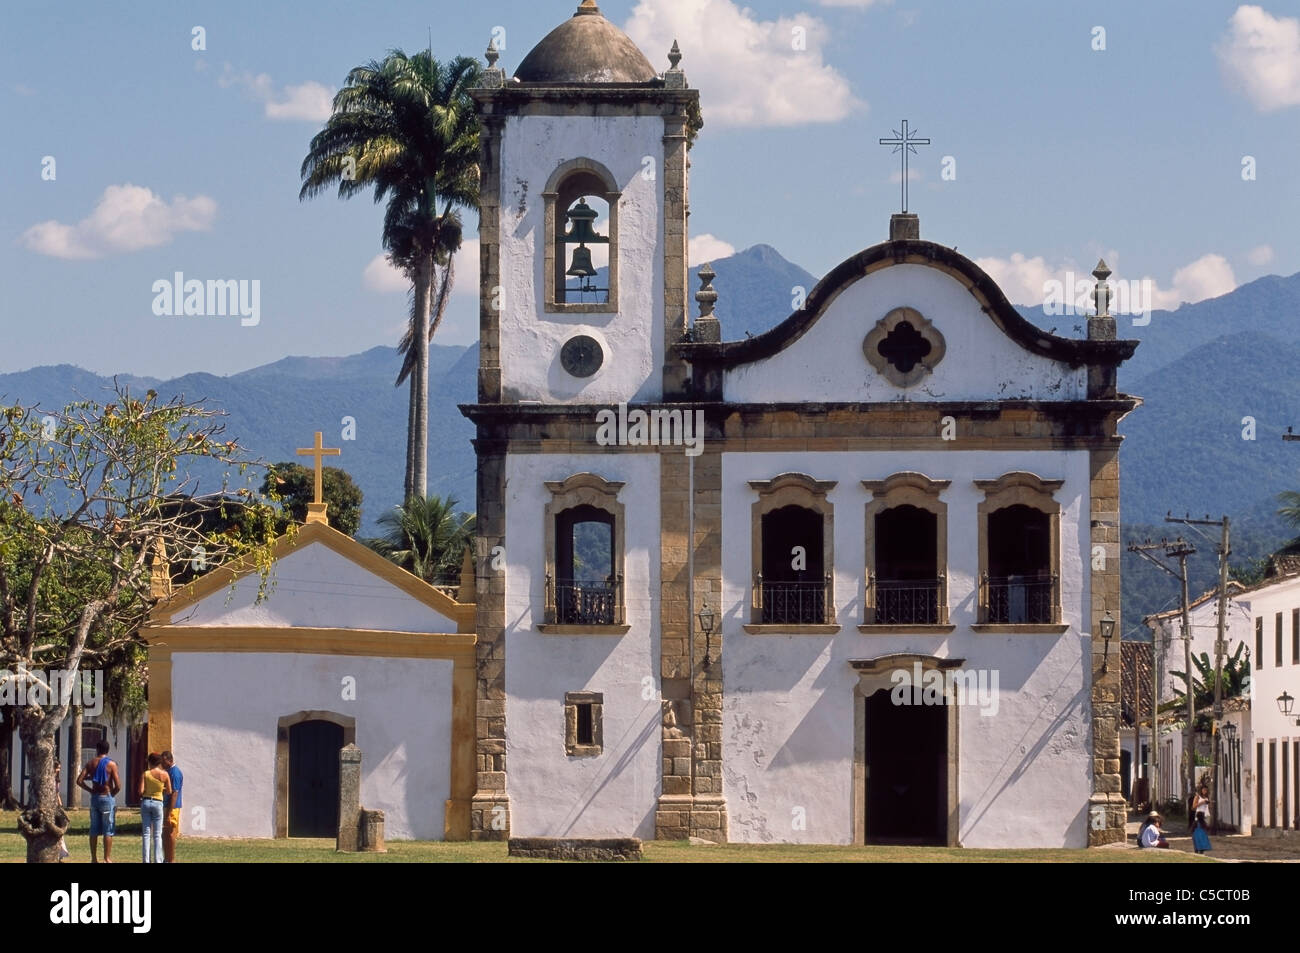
904 143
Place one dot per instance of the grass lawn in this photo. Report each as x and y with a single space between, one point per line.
126 849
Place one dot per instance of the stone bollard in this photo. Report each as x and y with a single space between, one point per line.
372 831
349 798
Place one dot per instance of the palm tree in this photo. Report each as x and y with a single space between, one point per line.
406 125
1236 679
425 536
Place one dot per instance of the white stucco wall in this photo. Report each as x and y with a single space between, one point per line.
788 720
226 707
1205 627
1268 682
552 794
981 362
532 148
316 587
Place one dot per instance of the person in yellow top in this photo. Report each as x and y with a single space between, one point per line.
155 783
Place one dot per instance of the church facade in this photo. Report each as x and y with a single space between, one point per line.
842 582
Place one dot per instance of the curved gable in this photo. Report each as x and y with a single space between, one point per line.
989 351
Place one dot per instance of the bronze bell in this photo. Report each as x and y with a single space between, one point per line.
581 267
582 215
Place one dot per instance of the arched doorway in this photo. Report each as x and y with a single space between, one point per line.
314 778
907 772
307 772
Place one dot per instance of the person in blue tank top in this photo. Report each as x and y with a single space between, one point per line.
172 819
100 779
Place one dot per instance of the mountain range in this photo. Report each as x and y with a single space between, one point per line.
1217 379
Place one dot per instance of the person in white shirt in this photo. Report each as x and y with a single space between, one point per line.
1151 835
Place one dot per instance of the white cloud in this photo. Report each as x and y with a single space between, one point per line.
1025 281
707 247
913 175
750 72
852 3
1260 55
126 219
309 101
1260 255
379 274
1207 277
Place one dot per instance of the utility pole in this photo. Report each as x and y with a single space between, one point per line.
1221 641
1179 549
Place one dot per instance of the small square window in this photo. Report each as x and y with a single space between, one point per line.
583 728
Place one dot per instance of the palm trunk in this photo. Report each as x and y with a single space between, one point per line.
408 482
421 373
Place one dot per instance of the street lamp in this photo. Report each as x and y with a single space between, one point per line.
1107 626
1284 704
706 625
1229 732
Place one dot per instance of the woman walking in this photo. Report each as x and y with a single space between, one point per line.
154 785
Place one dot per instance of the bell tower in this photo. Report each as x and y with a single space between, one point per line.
583 221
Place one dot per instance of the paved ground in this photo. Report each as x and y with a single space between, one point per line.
1233 848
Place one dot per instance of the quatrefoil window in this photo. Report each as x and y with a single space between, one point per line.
904 347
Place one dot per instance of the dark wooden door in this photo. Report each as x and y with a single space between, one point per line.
907 772
314 778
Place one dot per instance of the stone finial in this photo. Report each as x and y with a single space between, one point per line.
1101 293
587 7
1101 326
494 77
674 78
707 327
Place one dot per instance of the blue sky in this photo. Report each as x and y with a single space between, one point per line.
169 159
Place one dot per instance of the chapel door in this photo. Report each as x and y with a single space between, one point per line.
314 778
907 772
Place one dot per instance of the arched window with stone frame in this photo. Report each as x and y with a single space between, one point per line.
792 555
906 582
584 540
1020 553
581 202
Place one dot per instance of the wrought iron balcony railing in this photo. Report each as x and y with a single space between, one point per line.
585 601
906 601
792 603
1017 600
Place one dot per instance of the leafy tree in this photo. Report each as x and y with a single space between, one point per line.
295 485
406 125
426 537
1236 679
86 513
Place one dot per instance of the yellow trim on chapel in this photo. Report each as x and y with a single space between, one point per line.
462 613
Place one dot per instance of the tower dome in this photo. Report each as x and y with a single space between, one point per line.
586 48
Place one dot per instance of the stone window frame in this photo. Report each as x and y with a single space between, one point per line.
571 702
584 489
875 674
1020 487
791 489
349 725
551 228
884 327
906 488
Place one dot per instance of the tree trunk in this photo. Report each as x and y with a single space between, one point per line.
45 822
7 723
72 764
408 482
421 374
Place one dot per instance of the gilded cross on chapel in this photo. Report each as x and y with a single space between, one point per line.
316 509
904 143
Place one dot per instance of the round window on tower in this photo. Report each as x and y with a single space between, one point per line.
581 355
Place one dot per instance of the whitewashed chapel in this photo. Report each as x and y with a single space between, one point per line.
710 634
726 590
